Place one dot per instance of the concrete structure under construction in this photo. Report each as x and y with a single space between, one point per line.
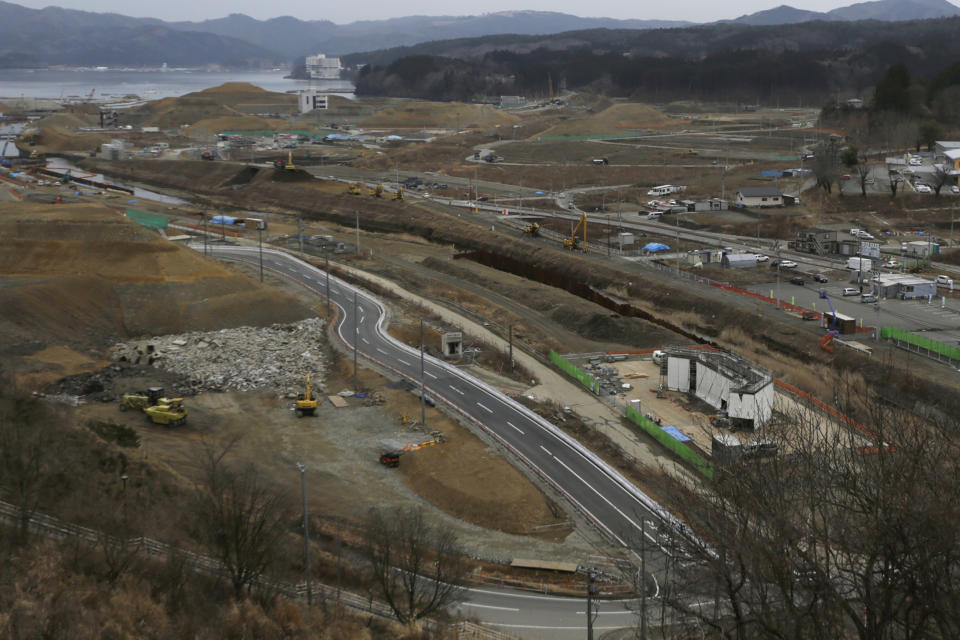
724 381
310 99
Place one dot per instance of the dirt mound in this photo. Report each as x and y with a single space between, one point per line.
188 109
620 118
243 176
58 132
232 123
84 276
226 106
285 175
439 114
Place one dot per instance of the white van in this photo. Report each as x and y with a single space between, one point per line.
654 215
658 357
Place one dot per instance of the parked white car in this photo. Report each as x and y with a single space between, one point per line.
850 291
788 264
923 188
762 258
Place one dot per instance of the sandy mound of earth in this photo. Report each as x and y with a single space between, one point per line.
439 114
230 100
85 276
233 123
619 118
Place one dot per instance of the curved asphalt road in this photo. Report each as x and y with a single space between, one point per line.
602 495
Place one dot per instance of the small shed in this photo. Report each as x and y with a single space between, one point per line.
844 324
759 197
739 260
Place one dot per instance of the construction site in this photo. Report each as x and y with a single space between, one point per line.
118 303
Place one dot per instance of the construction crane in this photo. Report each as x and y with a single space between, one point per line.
831 331
306 402
573 242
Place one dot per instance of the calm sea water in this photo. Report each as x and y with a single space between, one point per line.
150 85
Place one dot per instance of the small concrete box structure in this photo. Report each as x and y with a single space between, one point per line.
723 381
451 344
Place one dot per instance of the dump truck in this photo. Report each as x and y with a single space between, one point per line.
141 399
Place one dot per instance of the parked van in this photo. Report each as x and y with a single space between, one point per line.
654 215
658 357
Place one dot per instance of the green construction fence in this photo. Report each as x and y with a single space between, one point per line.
683 451
575 372
148 220
891 333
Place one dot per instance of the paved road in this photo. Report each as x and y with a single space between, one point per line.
597 491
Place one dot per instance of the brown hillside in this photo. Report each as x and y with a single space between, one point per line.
439 114
233 99
84 276
619 118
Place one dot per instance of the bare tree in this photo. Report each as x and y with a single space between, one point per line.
863 176
826 166
895 182
852 531
940 178
239 518
418 568
27 452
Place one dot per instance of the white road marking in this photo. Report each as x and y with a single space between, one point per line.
490 606
602 497
381 350
430 374
457 390
608 613
489 410
403 362
365 341
515 427
362 318
547 451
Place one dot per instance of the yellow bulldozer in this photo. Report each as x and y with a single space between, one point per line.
159 409
533 229
306 402
377 192
354 190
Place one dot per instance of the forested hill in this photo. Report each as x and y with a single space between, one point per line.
805 62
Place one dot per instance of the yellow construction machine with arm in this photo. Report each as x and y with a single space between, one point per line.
354 190
573 242
306 402
399 194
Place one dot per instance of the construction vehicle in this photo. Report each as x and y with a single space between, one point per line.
399 194
159 409
390 458
573 242
169 412
533 229
390 453
831 331
208 155
354 189
287 165
142 399
306 402
377 192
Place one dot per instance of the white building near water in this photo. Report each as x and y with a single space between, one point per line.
322 67
724 381
310 99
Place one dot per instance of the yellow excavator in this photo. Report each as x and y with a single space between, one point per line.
573 242
306 402
159 409
377 192
399 194
354 190
533 229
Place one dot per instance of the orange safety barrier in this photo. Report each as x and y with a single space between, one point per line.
779 303
803 394
15 192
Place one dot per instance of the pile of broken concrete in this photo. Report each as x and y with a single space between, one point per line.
275 358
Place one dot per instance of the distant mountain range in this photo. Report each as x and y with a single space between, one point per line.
56 36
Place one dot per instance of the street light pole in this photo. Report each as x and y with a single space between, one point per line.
423 399
306 530
356 339
326 269
260 240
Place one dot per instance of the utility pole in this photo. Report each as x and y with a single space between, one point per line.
643 579
511 347
608 235
619 221
591 592
357 215
260 240
306 531
678 242
423 399
326 268
339 556
205 232
953 206
356 339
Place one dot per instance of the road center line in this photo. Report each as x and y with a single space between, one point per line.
489 410
489 606
381 351
510 424
547 451
455 389
430 374
365 341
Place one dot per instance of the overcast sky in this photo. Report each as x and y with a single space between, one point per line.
692 10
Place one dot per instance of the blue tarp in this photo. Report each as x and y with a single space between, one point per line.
654 247
676 433
222 220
